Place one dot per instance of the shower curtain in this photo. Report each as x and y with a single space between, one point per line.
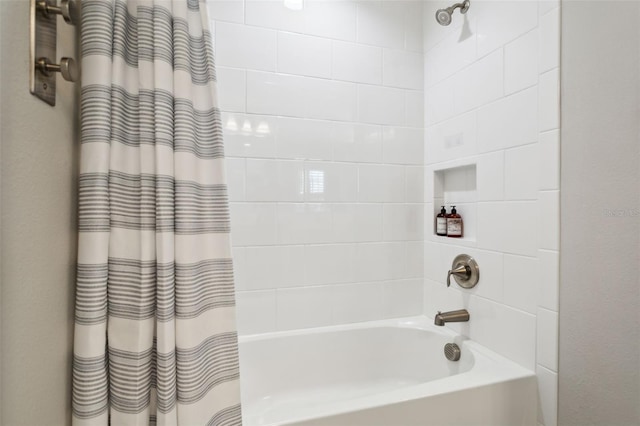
155 337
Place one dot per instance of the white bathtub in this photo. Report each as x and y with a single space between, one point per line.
383 373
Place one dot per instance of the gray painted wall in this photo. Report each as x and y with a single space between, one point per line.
38 226
599 381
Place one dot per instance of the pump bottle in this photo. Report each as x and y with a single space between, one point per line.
454 224
441 222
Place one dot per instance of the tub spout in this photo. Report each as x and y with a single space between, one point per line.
442 318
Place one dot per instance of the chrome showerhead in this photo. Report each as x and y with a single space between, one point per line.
443 16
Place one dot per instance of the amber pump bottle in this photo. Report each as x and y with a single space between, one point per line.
454 224
441 222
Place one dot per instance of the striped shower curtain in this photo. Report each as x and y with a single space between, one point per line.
155 336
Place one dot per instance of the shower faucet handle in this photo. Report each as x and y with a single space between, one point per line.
465 271
460 271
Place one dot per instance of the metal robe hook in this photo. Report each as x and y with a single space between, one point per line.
67 68
67 9
43 24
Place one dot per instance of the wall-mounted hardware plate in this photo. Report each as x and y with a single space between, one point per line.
42 44
471 278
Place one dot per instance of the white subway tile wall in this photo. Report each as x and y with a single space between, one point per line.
345 127
492 99
322 113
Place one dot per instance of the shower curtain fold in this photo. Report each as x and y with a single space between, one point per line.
155 335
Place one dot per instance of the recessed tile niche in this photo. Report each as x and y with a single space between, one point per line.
457 186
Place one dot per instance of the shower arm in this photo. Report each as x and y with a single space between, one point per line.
464 7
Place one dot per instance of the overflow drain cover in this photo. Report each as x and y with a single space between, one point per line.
452 351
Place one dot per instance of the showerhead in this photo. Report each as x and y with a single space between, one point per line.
443 16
